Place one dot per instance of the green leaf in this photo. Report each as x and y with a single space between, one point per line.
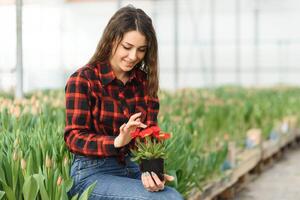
2 193
40 181
15 173
54 181
69 184
75 197
85 195
9 192
8 171
2 176
148 154
30 188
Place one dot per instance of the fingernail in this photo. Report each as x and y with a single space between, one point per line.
152 173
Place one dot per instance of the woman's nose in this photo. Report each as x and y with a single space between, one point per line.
132 55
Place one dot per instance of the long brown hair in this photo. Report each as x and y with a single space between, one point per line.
124 20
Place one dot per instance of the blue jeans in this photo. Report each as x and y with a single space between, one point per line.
114 180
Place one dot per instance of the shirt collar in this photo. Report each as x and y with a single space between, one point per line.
107 74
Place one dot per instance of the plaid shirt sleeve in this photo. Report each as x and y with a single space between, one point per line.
79 135
152 110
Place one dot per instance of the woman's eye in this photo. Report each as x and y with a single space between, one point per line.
142 50
127 48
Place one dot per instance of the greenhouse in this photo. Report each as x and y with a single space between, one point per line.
149 99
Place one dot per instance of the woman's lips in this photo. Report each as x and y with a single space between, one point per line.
129 64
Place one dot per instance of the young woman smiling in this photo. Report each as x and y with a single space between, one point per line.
115 93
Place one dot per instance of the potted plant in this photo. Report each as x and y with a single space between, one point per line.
150 150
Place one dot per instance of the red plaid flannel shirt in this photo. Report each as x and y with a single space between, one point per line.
97 104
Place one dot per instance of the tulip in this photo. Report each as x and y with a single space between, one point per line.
48 162
59 181
16 142
23 164
16 112
226 137
66 161
15 155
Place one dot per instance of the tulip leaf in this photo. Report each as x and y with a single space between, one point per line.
29 162
2 176
63 194
8 172
85 195
40 181
2 193
9 192
30 188
75 197
69 184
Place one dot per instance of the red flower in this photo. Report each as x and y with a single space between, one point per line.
150 131
135 133
164 136
146 132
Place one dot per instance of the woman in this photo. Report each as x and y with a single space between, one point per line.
115 93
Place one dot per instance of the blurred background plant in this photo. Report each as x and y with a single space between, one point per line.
202 121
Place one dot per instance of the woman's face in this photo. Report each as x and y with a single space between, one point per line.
129 52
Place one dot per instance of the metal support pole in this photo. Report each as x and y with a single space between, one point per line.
212 42
256 42
19 56
176 80
237 42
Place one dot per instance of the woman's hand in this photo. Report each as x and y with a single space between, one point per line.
152 183
124 137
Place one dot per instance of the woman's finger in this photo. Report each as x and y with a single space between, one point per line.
135 124
132 125
123 126
150 182
158 182
135 116
168 177
142 125
145 183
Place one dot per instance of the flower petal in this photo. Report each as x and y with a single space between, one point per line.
155 128
164 136
146 132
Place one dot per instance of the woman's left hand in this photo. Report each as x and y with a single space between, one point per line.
152 183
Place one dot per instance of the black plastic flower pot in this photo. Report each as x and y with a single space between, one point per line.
153 165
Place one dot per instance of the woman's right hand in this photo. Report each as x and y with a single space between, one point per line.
133 123
152 183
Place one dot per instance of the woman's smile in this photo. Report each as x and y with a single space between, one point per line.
128 63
